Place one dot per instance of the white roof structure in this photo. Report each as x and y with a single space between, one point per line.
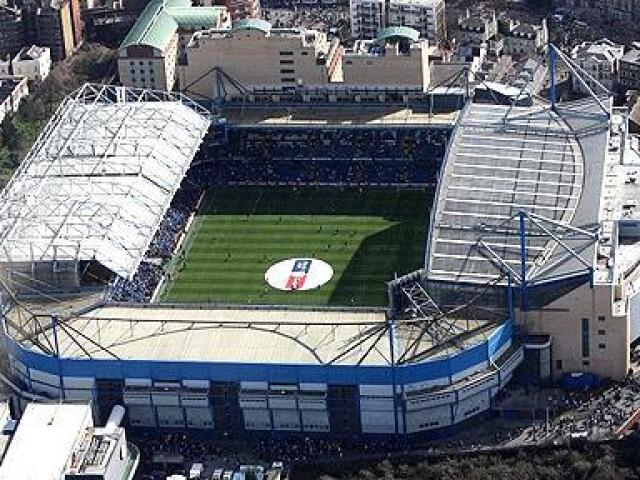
253 335
44 441
100 177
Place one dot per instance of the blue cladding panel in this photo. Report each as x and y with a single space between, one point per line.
500 337
236 372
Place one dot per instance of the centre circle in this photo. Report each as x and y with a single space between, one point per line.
296 274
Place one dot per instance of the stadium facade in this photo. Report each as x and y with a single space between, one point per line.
529 259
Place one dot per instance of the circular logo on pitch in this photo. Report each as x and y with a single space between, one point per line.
298 274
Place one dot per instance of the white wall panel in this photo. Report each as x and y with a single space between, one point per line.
45 389
479 385
288 402
254 385
286 420
252 401
428 419
376 390
78 394
377 404
141 416
312 403
165 399
18 366
172 417
192 399
377 421
199 417
313 387
471 406
86 383
256 419
137 382
198 384
44 377
436 382
136 398
428 400
315 421
470 371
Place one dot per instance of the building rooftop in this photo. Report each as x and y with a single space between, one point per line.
8 86
417 3
340 115
603 48
100 177
252 24
549 163
473 23
161 19
632 56
33 52
524 30
391 33
44 440
267 335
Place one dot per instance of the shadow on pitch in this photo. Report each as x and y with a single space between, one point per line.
396 250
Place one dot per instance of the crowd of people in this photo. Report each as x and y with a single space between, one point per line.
138 289
329 157
141 287
346 144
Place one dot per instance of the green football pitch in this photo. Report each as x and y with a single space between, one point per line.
366 236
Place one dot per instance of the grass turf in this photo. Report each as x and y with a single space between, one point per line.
365 235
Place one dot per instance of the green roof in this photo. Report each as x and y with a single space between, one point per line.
398 32
252 24
162 18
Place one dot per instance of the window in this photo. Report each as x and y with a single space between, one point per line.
141 62
132 64
602 332
286 53
305 53
558 364
585 363
288 80
602 346
286 62
601 318
585 337
287 70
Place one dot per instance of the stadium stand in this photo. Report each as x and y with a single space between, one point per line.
351 156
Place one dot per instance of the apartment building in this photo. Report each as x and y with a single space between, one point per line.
33 62
397 58
11 36
428 17
523 39
257 56
12 91
629 69
149 55
239 9
600 60
55 24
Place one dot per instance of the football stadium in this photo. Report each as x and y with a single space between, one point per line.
345 270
